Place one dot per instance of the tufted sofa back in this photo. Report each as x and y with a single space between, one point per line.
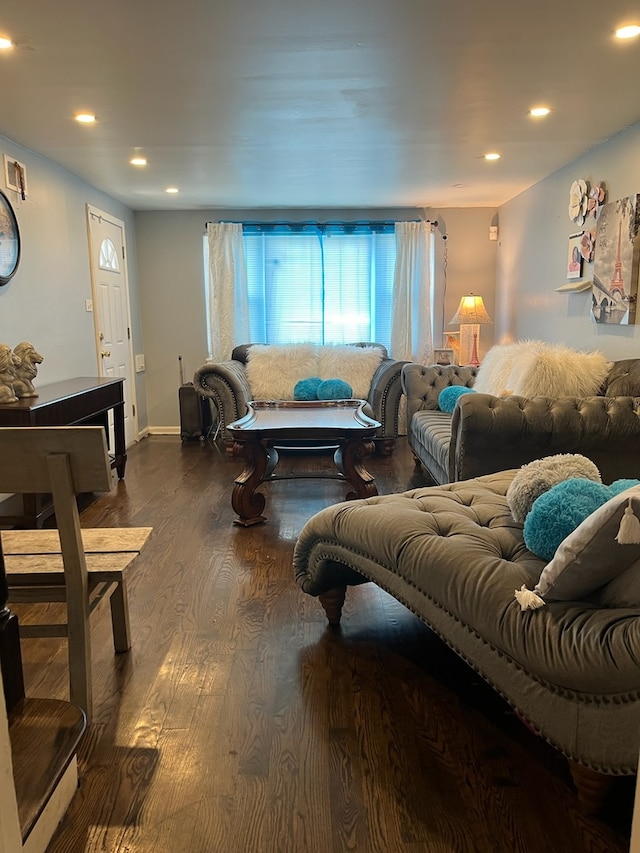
422 383
623 379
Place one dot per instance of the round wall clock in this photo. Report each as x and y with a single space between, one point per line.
9 240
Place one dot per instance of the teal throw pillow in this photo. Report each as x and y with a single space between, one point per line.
334 389
559 511
449 396
621 486
598 559
307 389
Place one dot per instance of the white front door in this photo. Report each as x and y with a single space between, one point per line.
111 307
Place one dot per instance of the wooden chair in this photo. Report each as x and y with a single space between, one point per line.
82 567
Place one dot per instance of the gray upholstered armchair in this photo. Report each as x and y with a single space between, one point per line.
227 385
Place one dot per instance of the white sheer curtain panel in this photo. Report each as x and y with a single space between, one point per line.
227 283
411 326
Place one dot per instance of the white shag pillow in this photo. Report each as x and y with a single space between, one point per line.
354 365
553 370
274 369
539 476
493 374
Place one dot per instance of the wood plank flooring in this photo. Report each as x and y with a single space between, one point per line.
240 723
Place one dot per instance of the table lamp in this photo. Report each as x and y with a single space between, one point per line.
471 314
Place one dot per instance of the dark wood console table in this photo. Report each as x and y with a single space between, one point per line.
85 400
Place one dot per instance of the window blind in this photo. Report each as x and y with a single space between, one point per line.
329 283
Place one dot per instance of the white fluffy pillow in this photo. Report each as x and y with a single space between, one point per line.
354 365
535 368
273 370
493 374
553 370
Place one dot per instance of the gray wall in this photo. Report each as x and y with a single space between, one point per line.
172 288
471 265
532 255
172 299
45 300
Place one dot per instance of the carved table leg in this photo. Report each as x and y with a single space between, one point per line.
384 446
332 601
592 786
258 464
348 458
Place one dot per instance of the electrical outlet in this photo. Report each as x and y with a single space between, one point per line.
139 363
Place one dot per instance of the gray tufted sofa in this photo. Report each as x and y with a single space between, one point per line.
487 433
225 383
454 556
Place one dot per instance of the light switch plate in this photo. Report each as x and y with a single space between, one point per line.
139 363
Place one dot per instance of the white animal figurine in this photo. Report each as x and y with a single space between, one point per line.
26 370
8 364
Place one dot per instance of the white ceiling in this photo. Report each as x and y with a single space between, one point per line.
338 103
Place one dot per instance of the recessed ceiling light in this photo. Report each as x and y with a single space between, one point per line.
538 112
172 190
630 31
493 155
85 118
138 161
5 43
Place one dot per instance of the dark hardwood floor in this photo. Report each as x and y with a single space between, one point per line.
239 722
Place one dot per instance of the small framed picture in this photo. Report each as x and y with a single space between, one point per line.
574 257
444 356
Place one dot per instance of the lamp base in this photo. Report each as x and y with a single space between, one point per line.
469 335
474 361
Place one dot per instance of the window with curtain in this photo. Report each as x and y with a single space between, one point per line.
320 283
325 283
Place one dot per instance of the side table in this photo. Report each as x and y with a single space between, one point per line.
86 401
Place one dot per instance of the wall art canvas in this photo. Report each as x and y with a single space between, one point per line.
616 260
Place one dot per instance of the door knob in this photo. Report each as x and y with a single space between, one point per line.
105 353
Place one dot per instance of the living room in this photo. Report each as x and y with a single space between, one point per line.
518 274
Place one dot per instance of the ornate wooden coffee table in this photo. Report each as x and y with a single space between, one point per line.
269 422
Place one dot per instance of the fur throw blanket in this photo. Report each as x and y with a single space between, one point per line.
274 369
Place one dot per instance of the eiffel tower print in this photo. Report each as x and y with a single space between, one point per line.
615 270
